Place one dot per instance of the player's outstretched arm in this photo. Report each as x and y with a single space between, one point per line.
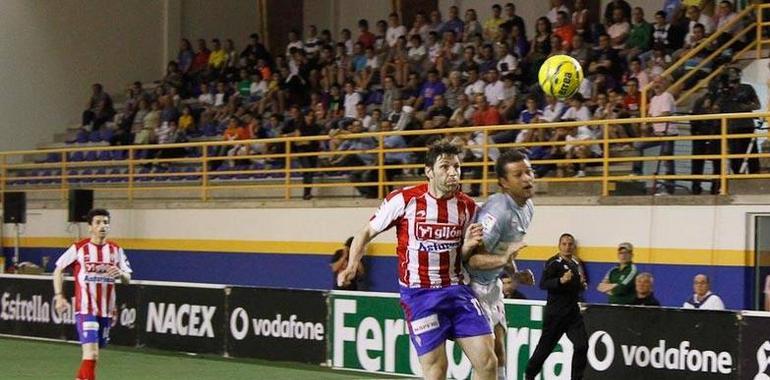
483 260
357 247
473 239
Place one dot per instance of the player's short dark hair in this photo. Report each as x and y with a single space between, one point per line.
96 212
507 157
505 275
566 234
440 148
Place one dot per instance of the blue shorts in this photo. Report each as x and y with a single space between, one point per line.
435 315
93 329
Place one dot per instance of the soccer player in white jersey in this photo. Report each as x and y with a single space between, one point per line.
96 264
434 225
505 218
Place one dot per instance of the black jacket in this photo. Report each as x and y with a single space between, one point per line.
647 301
562 298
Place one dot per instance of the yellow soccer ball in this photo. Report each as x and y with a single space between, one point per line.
560 76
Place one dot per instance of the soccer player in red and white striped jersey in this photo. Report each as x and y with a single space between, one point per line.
96 264
435 230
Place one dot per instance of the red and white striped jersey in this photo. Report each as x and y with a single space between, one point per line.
94 289
430 235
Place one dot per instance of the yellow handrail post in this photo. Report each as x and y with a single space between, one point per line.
724 163
381 168
4 174
485 165
131 174
287 172
204 173
63 185
605 162
643 103
759 33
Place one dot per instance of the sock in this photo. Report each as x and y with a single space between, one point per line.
501 373
87 370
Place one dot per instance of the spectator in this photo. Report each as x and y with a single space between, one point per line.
512 19
201 60
485 114
644 293
305 126
725 14
294 42
494 89
554 109
217 59
390 93
556 7
540 46
640 36
506 62
453 23
185 56
579 112
580 20
609 11
619 283
393 142
419 27
703 298
662 104
416 54
186 120
436 24
395 30
511 287
767 293
472 25
352 98
365 37
665 34
255 51
492 25
357 159
439 108
339 261
432 87
695 16
312 44
564 29
705 105
347 41
637 72
99 103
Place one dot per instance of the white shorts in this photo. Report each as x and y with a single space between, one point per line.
491 299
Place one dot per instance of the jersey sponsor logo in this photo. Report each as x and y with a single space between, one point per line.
98 267
439 231
681 357
185 319
438 247
488 222
99 279
425 324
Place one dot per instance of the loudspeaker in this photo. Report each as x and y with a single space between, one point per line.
80 203
15 207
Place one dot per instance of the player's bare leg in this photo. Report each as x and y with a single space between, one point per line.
87 369
500 350
481 352
434 363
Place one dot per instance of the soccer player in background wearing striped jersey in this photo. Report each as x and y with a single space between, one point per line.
96 264
435 230
505 218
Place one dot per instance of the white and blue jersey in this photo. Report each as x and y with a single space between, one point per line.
504 222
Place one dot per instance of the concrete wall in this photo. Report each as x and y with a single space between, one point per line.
53 50
235 19
291 247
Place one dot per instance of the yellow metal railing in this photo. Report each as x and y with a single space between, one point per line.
677 86
132 179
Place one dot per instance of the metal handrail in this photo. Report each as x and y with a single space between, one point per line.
643 103
204 174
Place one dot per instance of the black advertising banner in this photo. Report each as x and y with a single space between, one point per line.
27 308
125 329
188 319
655 343
755 347
277 324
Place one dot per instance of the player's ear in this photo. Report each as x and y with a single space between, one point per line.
429 172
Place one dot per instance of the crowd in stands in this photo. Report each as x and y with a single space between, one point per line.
441 71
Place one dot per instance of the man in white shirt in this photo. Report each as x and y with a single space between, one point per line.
619 30
352 98
556 7
494 90
703 298
475 84
394 31
662 104
506 62
553 110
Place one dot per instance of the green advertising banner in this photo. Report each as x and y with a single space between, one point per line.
368 333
